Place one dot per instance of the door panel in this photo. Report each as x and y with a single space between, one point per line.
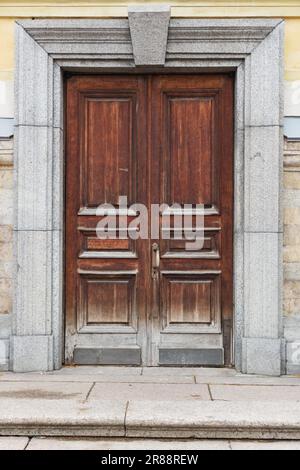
191 302
155 139
107 299
186 139
108 173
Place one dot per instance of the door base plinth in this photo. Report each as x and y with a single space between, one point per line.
191 357
107 356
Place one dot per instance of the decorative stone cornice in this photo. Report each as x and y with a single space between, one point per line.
237 37
218 37
6 153
230 30
48 33
70 38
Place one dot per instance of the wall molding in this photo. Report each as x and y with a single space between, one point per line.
6 153
292 155
253 50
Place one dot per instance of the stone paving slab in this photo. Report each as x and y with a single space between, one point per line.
90 378
213 420
249 380
150 391
125 444
103 370
45 391
26 417
255 393
200 371
269 445
13 443
164 375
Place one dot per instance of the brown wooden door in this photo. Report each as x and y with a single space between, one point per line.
155 139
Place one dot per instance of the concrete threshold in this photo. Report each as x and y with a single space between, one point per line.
149 419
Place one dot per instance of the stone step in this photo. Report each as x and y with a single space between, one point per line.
150 419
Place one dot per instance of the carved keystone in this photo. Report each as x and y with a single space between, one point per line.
149 33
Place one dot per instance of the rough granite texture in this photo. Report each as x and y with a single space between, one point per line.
149 33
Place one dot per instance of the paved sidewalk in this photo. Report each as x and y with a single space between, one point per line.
150 403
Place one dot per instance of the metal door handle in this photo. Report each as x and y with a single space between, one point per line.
155 260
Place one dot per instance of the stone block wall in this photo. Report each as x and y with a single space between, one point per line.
291 252
291 255
6 249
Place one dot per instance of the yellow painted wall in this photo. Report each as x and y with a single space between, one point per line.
292 49
6 48
288 9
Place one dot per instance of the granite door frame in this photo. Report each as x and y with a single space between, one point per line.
45 50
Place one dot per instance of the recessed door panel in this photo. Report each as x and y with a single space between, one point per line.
191 301
190 124
107 299
108 149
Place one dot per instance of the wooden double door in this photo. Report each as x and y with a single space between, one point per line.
156 139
